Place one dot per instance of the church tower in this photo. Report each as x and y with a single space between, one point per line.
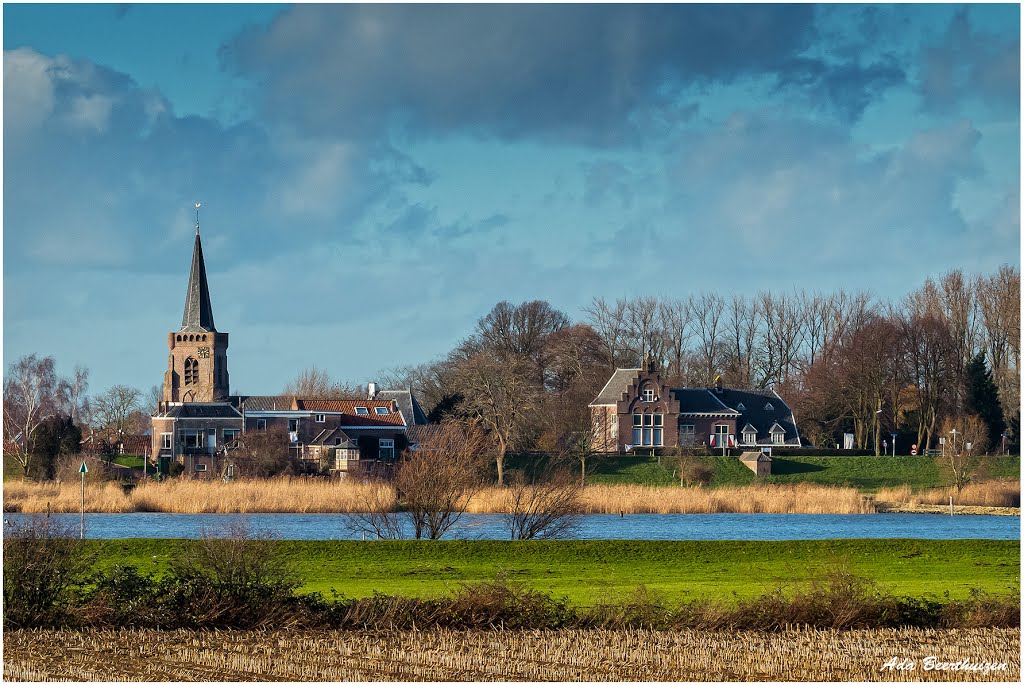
197 369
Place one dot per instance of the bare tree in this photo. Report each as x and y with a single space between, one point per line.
960 463
433 484
644 336
741 329
32 393
999 302
77 386
546 508
674 321
708 309
314 383
114 409
608 320
499 393
260 453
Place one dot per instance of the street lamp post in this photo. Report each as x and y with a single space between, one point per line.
953 447
894 444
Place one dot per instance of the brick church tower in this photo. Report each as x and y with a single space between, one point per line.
197 370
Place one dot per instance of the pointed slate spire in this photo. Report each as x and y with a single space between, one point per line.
198 314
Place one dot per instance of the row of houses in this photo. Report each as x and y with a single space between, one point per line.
206 438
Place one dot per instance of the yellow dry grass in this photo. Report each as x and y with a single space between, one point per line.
313 495
803 498
992 493
563 655
278 495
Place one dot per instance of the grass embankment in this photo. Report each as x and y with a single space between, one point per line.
865 473
456 655
590 571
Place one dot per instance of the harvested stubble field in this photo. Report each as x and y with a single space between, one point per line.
314 495
446 655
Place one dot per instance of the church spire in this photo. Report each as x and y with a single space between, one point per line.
198 314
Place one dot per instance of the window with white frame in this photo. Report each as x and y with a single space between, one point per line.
749 437
193 439
320 418
647 393
200 467
231 434
362 411
386 449
381 410
778 436
293 425
166 440
261 424
647 430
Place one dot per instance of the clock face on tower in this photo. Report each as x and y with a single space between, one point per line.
204 352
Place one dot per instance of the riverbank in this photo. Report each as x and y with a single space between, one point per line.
552 655
314 495
591 571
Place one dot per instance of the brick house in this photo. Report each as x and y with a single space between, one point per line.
636 412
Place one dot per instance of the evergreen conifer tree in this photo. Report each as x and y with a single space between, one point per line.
983 399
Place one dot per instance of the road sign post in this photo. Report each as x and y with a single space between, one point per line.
83 470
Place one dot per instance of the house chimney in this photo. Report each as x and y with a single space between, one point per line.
371 391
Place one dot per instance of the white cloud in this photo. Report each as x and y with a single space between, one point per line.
28 90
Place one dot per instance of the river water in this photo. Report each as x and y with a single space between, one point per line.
590 526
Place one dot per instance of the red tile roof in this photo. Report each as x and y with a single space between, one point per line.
348 409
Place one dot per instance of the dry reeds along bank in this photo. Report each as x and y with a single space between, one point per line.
311 495
803 498
991 493
278 495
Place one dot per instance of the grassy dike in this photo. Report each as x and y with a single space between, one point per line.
865 473
590 571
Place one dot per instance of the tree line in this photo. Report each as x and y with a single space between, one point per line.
945 357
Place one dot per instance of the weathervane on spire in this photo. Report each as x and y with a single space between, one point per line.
198 205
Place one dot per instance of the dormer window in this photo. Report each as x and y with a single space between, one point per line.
362 411
740 407
769 407
647 393
778 434
380 410
749 437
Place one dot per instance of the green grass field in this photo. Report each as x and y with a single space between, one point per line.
588 571
865 473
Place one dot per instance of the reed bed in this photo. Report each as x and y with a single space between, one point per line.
803 498
500 655
314 495
991 493
276 496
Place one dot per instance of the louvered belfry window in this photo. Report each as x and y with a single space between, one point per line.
191 371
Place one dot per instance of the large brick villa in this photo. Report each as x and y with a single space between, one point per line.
636 412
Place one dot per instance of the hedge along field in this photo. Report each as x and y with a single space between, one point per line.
590 571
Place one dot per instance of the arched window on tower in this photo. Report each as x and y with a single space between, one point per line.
191 371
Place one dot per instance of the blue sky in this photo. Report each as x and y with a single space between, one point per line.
374 178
